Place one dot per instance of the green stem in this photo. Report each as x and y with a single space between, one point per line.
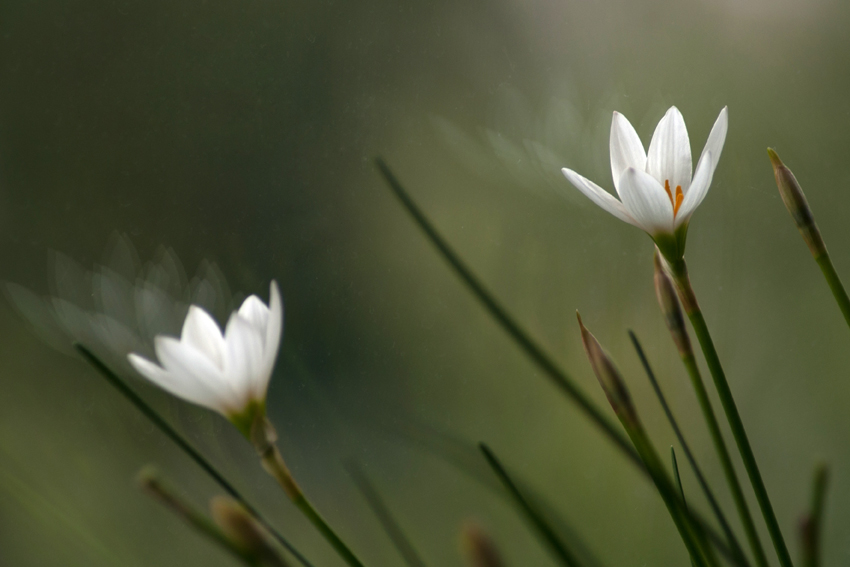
273 463
158 421
676 507
835 285
709 494
544 530
725 460
680 276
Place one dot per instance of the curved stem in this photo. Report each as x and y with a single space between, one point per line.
680 276
273 464
674 424
725 460
835 285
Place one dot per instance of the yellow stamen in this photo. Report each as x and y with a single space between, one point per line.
677 201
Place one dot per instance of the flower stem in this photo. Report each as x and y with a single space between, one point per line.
273 464
835 285
680 275
725 460
134 398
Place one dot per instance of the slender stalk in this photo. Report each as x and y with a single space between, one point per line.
678 480
517 333
797 204
709 494
835 285
621 402
541 526
725 461
385 517
273 463
680 276
697 546
151 483
543 361
125 390
812 524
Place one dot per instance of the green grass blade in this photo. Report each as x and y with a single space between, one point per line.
536 353
154 417
382 513
520 336
538 522
709 494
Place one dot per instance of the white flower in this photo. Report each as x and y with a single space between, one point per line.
657 192
227 373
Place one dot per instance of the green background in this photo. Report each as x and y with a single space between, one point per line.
244 132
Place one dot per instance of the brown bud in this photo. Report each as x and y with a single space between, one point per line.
243 531
609 377
670 308
479 548
795 201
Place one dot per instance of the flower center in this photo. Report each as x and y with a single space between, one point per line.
677 201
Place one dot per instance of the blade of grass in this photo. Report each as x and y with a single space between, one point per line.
811 526
543 360
678 480
679 272
382 513
709 494
538 522
154 417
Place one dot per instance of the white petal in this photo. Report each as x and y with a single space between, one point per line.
255 312
669 157
716 139
243 365
195 377
274 330
174 385
699 188
599 196
201 331
626 148
647 201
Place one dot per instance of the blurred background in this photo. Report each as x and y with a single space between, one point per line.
243 133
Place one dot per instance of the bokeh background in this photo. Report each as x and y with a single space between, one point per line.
243 133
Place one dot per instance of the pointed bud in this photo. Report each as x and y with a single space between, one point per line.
479 548
795 202
243 531
670 308
609 377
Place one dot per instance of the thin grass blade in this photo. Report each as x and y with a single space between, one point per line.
154 417
538 522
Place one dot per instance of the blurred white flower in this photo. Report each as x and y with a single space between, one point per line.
229 372
121 304
657 191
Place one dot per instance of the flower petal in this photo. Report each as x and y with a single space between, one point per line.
699 188
599 196
626 148
243 363
716 139
274 330
669 157
201 331
255 312
647 201
195 376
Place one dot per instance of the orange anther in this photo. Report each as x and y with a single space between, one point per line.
677 200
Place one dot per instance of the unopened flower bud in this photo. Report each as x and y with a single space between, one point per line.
795 202
479 548
609 377
670 308
243 531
